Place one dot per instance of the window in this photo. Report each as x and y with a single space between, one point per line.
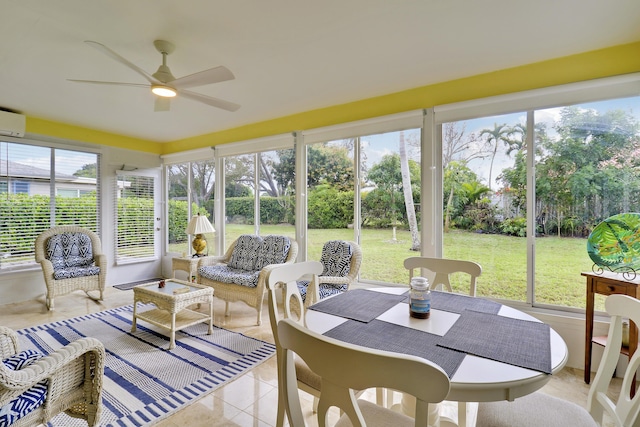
191 191
135 217
527 186
29 176
18 187
260 194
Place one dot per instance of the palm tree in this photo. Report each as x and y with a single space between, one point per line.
494 136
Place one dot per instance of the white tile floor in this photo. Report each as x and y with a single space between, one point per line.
251 400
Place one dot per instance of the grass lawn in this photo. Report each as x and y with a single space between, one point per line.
559 261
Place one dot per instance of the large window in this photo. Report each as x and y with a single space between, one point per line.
367 189
524 191
586 171
41 187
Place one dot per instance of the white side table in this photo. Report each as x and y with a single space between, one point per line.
188 264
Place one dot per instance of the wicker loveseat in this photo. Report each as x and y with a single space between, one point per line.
240 274
36 387
71 258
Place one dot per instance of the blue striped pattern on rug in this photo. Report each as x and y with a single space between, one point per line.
143 381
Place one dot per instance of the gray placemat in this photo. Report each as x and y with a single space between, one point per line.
457 303
358 304
377 333
514 341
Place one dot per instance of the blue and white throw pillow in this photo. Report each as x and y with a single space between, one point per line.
70 250
30 399
336 258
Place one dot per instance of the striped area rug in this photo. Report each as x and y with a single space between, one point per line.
143 381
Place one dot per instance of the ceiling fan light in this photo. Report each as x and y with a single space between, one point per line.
165 91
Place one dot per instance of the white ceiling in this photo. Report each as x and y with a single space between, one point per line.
288 56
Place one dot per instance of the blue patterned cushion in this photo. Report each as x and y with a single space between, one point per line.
69 250
244 254
325 289
274 250
71 272
30 399
225 274
336 258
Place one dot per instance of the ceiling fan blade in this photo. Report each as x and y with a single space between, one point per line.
162 104
206 77
95 82
214 102
102 48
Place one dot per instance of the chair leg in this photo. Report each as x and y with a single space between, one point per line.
95 298
380 392
315 404
226 309
280 415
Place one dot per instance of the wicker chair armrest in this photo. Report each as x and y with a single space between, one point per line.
8 342
335 280
47 267
100 260
55 363
212 260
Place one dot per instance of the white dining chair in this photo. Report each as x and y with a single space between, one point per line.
282 281
358 368
442 269
624 412
540 409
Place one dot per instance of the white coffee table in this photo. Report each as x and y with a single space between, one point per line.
171 303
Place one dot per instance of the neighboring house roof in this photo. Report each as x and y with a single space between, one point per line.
20 170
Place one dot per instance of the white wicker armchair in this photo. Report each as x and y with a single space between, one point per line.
341 260
73 377
71 272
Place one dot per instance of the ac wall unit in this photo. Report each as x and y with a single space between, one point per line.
12 124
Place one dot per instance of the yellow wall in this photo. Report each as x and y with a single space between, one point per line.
607 62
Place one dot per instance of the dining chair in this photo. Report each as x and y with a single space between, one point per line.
358 368
282 280
443 268
539 409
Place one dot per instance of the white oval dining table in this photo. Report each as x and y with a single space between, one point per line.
477 379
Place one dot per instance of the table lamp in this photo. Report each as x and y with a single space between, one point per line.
198 225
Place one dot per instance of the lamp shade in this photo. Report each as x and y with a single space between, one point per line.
199 224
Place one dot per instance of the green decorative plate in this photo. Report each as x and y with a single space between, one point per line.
615 242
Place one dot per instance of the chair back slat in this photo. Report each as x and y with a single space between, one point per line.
442 269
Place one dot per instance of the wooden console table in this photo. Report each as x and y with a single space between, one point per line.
607 284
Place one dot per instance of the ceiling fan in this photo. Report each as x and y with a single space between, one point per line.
164 85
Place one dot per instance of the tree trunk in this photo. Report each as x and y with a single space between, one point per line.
447 218
408 195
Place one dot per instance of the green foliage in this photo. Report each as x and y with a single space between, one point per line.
177 221
24 217
327 164
329 208
514 226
